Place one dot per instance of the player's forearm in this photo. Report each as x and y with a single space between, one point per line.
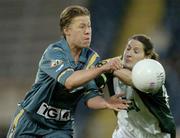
97 103
124 75
81 77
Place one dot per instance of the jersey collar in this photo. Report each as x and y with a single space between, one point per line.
82 57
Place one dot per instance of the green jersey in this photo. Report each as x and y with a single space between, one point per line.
149 112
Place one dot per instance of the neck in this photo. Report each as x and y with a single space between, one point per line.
75 51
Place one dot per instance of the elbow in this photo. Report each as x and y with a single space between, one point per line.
69 85
88 104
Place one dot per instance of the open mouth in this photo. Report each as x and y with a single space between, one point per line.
127 60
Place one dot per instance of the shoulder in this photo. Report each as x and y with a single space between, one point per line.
55 47
59 46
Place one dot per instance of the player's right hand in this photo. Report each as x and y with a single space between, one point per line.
112 65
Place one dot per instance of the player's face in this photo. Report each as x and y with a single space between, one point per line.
79 32
133 53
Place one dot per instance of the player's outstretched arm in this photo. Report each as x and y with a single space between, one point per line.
113 103
81 77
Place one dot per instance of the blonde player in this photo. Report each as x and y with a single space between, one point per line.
66 74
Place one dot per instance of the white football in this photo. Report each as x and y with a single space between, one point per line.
148 75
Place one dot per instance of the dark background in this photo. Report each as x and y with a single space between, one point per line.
28 27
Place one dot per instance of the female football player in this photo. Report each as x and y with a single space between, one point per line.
149 116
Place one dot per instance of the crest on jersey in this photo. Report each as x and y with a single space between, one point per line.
56 62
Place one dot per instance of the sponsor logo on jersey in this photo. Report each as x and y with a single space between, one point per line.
56 62
51 112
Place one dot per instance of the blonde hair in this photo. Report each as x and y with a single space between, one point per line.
69 13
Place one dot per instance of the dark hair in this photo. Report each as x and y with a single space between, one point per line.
69 13
147 45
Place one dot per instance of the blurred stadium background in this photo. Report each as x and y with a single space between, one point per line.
27 27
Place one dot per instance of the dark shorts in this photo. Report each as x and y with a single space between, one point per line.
23 127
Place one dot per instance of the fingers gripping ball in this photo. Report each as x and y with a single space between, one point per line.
148 75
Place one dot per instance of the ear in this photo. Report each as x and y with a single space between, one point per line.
66 31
